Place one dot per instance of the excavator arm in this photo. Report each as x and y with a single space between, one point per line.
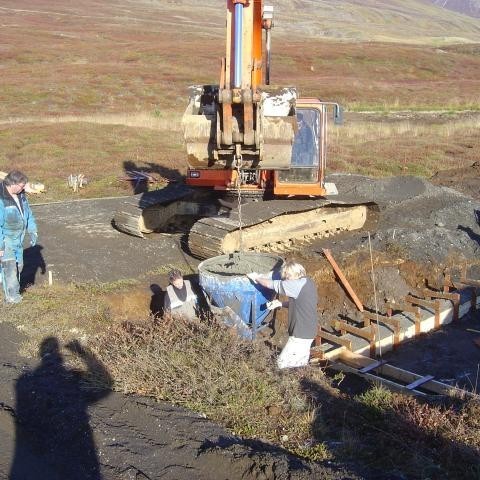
242 122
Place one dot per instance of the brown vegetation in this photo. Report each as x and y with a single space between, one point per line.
115 90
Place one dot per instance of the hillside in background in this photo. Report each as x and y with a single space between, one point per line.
467 7
406 21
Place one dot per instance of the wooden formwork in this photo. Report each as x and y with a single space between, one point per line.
352 346
421 312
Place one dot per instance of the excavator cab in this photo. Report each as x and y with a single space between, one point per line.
306 175
304 161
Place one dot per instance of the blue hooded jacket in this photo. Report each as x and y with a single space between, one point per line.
14 223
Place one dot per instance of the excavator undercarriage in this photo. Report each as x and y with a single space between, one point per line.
214 229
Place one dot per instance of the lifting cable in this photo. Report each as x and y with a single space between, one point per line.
238 166
375 295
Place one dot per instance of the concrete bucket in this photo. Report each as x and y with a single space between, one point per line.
231 294
266 146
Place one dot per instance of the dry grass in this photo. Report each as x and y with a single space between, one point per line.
438 439
67 312
399 434
200 364
403 147
84 91
101 151
207 368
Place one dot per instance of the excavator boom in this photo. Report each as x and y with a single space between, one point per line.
242 122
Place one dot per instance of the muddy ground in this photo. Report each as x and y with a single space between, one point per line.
122 437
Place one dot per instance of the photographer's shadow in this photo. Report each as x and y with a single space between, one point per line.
51 414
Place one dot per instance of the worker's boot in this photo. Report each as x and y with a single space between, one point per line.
11 283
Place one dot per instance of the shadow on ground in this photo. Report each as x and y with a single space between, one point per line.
33 264
51 416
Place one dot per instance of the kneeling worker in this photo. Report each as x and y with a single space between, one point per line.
179 298
302 311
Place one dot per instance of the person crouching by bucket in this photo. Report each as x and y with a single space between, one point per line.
302 311
180 300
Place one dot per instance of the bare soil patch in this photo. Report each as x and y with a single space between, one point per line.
465 180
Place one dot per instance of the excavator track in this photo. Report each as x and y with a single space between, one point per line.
151 211
273 223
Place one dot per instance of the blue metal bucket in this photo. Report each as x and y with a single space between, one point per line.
224 280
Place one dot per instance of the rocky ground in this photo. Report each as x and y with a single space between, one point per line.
133 437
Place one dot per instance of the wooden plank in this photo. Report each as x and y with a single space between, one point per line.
372 366
389 321
453 297
392 385
434 305
342 278
366 333
419 382
429 294
447 282
405 307
421 302
334 339
359 361
470 282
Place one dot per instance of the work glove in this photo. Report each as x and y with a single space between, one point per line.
253 276
274 304
33 239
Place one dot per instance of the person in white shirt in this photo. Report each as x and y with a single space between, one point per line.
302 311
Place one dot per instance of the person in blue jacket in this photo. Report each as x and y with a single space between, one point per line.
16 219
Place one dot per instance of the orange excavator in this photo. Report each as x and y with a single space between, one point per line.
258 148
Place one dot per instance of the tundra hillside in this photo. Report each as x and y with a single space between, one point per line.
101 93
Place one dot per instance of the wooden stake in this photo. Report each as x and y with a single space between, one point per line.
342 278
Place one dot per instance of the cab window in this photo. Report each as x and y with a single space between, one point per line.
305 154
